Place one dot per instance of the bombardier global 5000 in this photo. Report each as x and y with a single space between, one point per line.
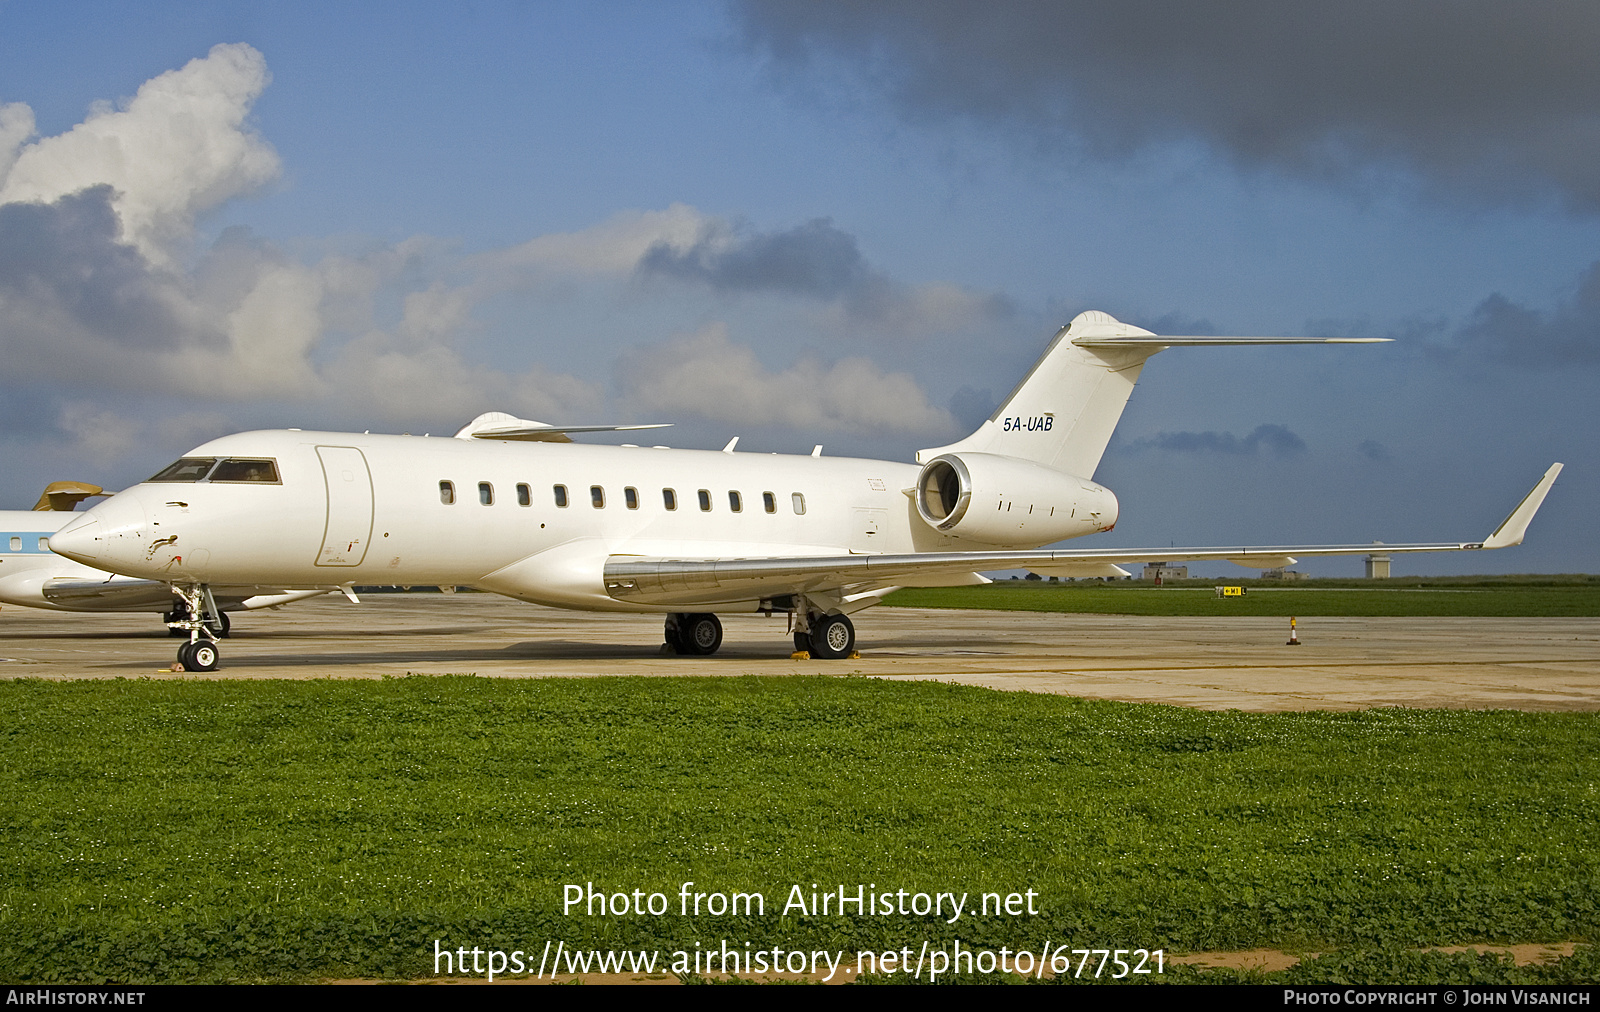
515 507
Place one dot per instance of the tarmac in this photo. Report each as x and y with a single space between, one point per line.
1535 664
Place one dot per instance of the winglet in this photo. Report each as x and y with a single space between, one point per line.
1512 529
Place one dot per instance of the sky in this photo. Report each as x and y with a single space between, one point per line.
828 222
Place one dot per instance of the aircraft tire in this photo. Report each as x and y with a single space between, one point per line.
201 655
802 641
832 637
700 635
670 634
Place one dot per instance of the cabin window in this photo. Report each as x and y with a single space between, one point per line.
561 496
669 498
630 498
799 500
486 493
244 469
769 502
597 496
186 469
705 500
447 493
44 544
524 495
16 544
735 502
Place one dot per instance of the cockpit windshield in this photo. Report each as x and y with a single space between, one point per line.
257 470
243 469
187 469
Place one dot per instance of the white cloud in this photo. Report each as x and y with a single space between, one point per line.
16 126
708 376
103 436
100 297
612 248
378 378
179 147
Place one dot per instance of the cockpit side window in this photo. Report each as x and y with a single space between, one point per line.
261 471
187 469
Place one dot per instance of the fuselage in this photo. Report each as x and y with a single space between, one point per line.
532 520
26 562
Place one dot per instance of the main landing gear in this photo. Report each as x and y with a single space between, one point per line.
198 617
697 635
825 637
830 638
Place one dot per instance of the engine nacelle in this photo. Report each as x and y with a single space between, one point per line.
1007 501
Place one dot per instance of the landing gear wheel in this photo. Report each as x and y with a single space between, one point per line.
699 634
832 637
220 627
200 655
674 642
802 641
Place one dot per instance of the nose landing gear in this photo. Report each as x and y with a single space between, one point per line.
203 621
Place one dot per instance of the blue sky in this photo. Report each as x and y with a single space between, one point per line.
396 216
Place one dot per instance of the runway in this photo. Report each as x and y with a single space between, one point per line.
1541 664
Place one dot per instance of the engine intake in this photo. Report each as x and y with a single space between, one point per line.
1007 501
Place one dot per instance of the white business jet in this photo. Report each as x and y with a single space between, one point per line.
515 507
33 577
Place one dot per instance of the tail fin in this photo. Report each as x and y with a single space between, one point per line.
1063 412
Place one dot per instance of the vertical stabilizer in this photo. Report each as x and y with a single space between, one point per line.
1063 412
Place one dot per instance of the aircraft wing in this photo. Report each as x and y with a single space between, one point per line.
670 581
499 425
122 593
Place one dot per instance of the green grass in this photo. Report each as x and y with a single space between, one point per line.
154 830
1479 597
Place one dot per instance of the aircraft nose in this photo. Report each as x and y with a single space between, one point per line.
76 540
103 536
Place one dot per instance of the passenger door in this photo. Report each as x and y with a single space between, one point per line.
349 524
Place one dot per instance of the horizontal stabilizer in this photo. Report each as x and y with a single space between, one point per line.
1101 330
499 425
1169 341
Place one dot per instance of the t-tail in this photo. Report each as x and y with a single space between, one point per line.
1024 476
1063 412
